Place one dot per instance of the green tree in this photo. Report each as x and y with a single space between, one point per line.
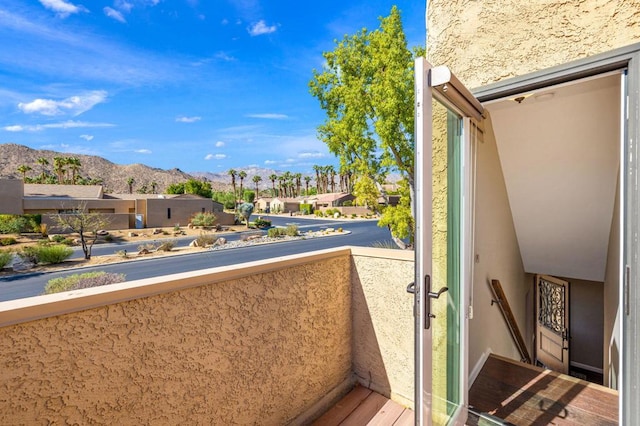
249 196
175 188
307 179
366 193
242 175
44 163
257 179
233 175
366 89
245 210
23 168
59 164
273 178
130 182
74 166
198 187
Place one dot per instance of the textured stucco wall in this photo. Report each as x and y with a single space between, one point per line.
258 349
487 41
11 193
383 323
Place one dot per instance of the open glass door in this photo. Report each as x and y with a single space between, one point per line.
443 111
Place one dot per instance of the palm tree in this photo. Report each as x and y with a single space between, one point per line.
74 166
154 187
44 163
24 169
242 175
130 182
58 168
233 175
273 177
317 169
332 173
298 178
307 179
256 179
281 186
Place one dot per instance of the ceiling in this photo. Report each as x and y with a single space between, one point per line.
559 151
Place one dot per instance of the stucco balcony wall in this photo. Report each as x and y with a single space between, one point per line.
268 342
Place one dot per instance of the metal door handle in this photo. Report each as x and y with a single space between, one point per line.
434 295
411 288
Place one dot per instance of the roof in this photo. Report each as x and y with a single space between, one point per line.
332 196
33 190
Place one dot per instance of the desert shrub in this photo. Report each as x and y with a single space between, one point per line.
275 232
319 213
348 203
57 238
150 246
8 241
16 224
204 219
166 245
12 224
291 231
204 240
262 223
46 253
108 238
306 208
5 258
79 281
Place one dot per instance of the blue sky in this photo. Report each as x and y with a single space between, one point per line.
201 85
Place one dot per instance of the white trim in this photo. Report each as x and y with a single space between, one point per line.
476 369
586 367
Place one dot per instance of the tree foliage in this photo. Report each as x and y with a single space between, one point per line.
366 89
245 210
85 224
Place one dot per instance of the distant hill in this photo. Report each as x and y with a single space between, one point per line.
114 176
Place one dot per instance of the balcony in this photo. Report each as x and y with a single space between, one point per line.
272 342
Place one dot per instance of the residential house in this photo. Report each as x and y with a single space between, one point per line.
125 210
284 205
332 199
263 204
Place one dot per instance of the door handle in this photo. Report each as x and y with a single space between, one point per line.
411 288
435 295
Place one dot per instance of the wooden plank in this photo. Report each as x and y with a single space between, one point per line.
366 410
407 418
505 308
344 407
526 395
387 415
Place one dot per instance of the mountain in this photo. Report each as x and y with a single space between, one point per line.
114 176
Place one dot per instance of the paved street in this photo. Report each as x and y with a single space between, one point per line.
362 233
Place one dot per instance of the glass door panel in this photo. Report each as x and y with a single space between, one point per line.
446 347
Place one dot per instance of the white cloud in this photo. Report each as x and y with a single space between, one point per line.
74 105
87 137
215 157
219 144
143 151
62 8
123 5
188 119
270 116
312 154
260 28
114 14
70 124
270 162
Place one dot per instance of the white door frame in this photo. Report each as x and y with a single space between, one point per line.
629 300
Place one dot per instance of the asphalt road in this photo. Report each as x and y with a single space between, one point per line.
362 233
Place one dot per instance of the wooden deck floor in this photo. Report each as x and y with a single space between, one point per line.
362 407
522 394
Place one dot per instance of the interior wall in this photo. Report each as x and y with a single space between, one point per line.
586 322
497 256
611 338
